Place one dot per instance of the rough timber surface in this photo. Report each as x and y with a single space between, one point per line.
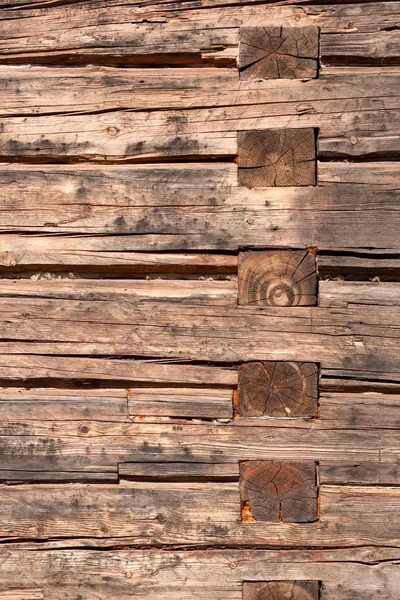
199 367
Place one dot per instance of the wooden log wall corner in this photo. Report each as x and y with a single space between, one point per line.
199 290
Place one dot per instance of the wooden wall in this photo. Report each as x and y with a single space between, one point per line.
199 283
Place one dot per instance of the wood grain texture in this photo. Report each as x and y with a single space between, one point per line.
189 403
273 491
175 513
108 36
278 52
349 112
279 158
277 278
180 471
278 389
208 214
356 572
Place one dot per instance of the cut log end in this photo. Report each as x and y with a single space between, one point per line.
277 157
279 491
277 278
278 52
278 389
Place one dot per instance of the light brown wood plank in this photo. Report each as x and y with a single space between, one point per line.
63 405
357 572
201 292
108 36
353 293
95 446
355 127
34 366
175 513
189 403
358 337
179 471
77 200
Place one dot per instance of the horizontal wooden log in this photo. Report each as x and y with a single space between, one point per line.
368 48
108 36
76 200
33 366
174 513
343 293
31 91
352 573
358 337
18 477
189 403
93 447
355 127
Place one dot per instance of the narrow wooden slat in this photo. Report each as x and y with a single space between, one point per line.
180 471
215 293
14 477
189 403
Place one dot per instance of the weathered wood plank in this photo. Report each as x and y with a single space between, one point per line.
180 471
345 293
358 337
44 367
49 404
108 35
189 403
203 216
175 513
31 91
361 267
97 447
202 292
355 127
356 572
